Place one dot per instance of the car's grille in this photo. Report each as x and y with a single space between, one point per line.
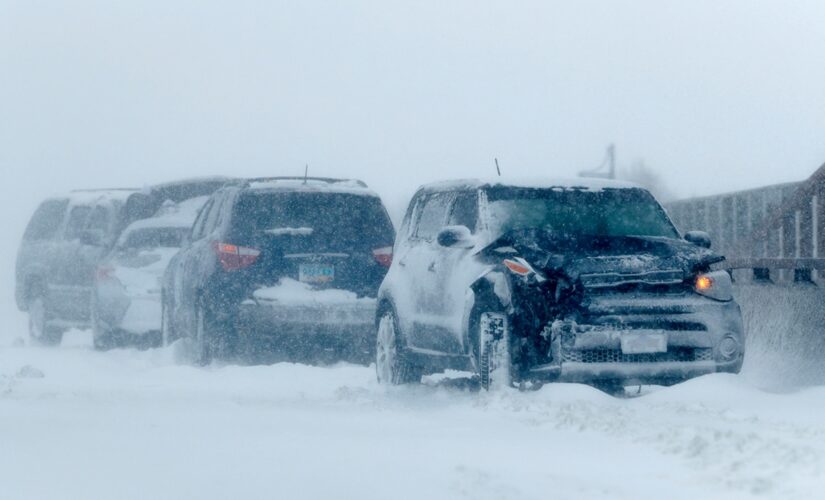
628 281
649 322
678 355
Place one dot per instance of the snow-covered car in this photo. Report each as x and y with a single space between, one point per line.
67 237
126 299
531 281
280 265
61 248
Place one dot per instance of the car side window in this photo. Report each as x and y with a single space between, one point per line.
98 219
214 213
76 222
200 222
464 211
433 216
46 220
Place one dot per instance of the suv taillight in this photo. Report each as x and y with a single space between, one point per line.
104 273
383 256
234 257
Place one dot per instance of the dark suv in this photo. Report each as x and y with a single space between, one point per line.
278 263
66 239
524 283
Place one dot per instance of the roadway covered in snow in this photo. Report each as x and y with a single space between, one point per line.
75 423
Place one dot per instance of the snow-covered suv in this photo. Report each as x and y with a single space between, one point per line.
280 265
527 282
67 237
63 243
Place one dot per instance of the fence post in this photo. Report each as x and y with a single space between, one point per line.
762 275
802 276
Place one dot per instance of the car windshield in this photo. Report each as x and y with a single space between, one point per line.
313 221
579 212
155 237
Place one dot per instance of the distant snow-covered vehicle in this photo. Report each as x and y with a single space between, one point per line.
527 282
126 299
65 240
281 265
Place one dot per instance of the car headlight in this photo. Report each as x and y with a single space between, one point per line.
716 285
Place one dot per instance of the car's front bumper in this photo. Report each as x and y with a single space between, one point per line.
700 336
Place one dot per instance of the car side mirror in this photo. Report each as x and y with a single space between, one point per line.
92 237
699 238
456 237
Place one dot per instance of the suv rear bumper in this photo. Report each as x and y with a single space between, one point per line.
342 322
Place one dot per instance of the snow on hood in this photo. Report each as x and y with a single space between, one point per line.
181 214
291 292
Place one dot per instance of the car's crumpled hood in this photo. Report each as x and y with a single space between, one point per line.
576 257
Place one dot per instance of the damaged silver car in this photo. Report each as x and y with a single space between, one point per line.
523 283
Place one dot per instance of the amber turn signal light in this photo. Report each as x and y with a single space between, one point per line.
704 283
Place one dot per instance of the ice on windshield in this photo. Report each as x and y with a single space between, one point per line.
570 212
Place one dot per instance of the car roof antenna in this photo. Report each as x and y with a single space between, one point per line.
306 172
498 170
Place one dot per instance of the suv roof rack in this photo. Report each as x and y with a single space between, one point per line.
328 180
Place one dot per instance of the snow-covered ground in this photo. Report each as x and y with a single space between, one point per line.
79 424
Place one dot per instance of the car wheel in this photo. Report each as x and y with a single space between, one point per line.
390 365
203 340
214 338
494 357
39 330
166 334
102 337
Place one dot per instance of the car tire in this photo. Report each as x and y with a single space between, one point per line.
167 335
391 366
495 362
39 330
213 339
102 337
202 355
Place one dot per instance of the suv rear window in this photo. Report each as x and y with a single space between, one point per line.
312 222
46 220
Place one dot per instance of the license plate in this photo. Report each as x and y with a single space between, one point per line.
316 273
644 343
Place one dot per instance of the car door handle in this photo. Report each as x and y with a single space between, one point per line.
431 268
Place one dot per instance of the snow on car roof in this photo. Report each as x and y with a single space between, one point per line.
586 184
312 185
181 214
92 196
193 180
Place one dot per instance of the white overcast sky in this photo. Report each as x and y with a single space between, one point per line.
714 95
